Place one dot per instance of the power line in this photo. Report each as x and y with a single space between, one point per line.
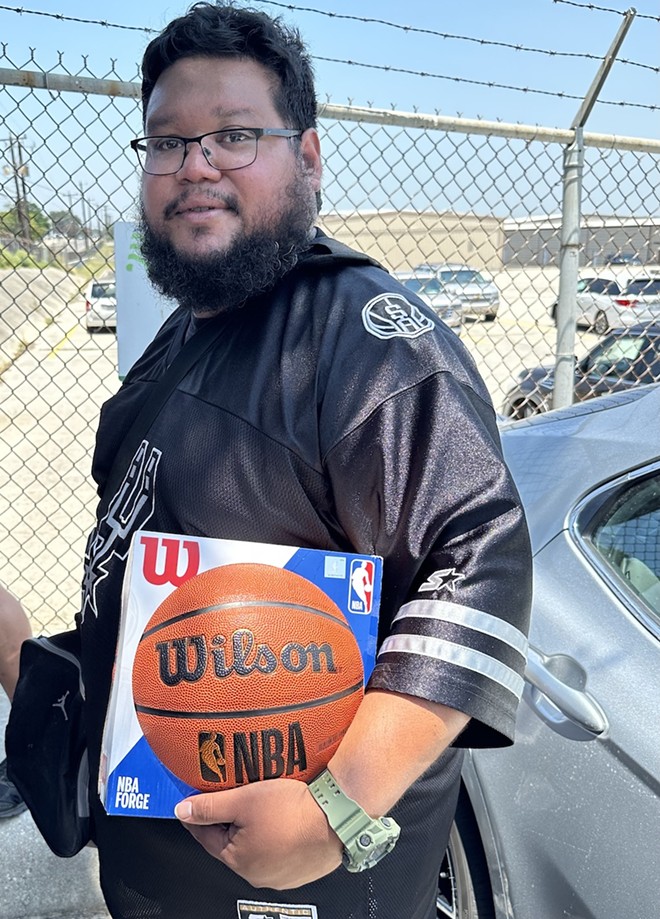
585 55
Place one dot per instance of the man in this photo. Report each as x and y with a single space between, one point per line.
334 412
14 629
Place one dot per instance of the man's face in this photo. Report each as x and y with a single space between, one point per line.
201 211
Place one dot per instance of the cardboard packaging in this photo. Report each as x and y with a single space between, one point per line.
132 780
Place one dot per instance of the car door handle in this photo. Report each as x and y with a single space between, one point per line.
576 704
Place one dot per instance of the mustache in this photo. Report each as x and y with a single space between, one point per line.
230 202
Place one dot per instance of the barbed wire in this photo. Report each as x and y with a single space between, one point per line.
606 9
90 22
585 55
490 84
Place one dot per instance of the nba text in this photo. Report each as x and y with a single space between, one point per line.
129 795
257 755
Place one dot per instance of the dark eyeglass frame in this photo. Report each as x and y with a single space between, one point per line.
258 134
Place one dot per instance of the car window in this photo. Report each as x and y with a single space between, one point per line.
598 286
103 290
626 536
428 286
617 357
612 289
461 276
644 287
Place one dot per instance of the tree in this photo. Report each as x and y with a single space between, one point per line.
10 222
66 223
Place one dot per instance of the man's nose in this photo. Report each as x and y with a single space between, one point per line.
195 166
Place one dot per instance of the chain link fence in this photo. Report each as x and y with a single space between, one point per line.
468 213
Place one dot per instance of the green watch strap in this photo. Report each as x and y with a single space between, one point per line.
365 839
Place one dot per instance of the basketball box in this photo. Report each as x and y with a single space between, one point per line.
236 662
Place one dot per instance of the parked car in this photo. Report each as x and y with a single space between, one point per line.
623 359
623 258
428 288
565 822
478 294
641 298
101 305
605 304
596 309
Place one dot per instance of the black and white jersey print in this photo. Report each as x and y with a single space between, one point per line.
335 412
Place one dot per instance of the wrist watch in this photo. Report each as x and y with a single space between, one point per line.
365 839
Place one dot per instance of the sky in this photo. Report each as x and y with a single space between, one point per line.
559 27
429 56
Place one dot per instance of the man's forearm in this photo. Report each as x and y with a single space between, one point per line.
392 740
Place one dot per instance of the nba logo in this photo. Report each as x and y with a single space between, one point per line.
361 586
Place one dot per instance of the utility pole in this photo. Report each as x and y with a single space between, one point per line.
20 170
85 211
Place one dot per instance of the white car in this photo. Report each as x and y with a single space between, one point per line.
427 287
477 293
101 305
604 303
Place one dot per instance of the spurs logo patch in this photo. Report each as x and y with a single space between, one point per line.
392 316
445 579
129 510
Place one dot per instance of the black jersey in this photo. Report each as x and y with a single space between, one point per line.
336 412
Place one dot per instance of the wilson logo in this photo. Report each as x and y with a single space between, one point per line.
162 560
188 659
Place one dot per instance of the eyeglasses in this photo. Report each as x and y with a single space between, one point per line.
235 148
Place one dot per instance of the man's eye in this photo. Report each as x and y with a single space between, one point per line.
164 144
230 138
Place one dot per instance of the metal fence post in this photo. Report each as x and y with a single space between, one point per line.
569 264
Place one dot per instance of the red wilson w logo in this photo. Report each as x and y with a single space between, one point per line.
162 564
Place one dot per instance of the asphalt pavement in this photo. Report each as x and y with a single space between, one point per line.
34 883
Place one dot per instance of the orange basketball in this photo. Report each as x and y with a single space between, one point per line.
246 672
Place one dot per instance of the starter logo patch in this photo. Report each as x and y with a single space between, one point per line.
392 316
446 579
251 909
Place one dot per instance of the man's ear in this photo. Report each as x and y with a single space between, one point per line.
310 148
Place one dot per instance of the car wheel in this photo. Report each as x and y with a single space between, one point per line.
522 409
464 890
600 324
489 317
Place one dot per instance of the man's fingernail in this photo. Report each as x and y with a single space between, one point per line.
183 810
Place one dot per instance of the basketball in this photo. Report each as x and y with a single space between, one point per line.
246 672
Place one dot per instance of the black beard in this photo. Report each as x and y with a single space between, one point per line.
223 281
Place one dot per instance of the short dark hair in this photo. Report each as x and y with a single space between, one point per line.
210 30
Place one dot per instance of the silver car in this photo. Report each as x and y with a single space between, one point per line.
566 822
478 294
428 288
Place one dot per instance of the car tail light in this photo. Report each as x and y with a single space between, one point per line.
626 301
88 306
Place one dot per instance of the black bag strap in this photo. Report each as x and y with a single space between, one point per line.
189 354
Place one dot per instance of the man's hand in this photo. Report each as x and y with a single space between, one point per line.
273 834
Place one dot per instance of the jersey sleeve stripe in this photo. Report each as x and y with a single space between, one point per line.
466 616
446 651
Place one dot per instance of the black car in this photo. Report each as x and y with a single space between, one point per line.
624 358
